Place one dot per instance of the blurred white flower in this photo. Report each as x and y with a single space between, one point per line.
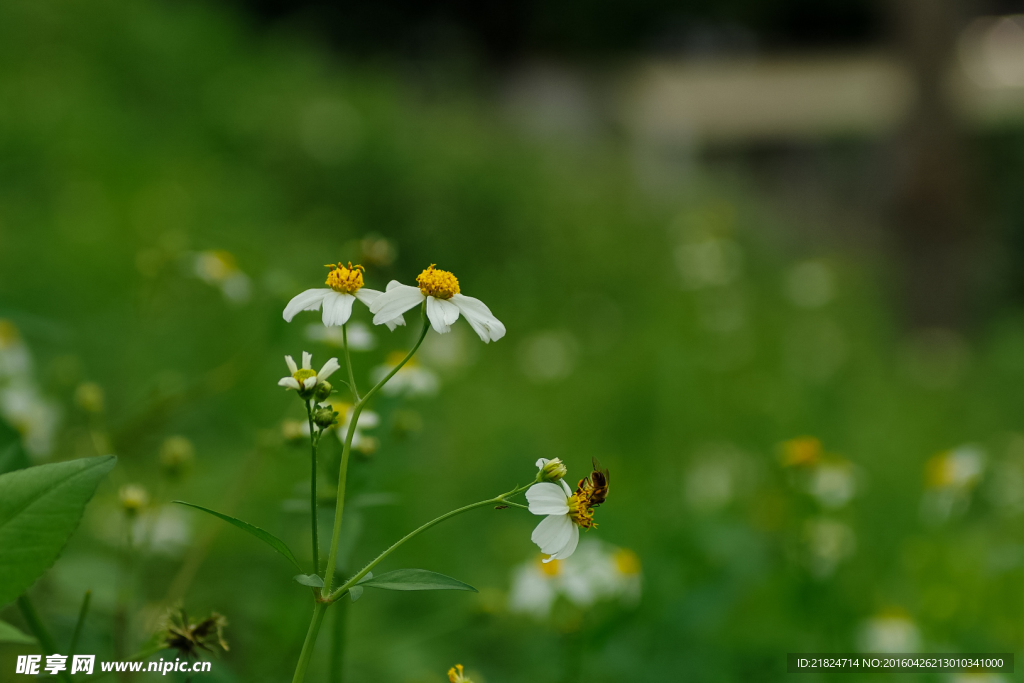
828 543
708 261
360 338
219 268
164 531
15 359
445 302
950 478
305 378
35 417
596 572
362 442
344 286
890 631
832 482
718 474
548 356
412 379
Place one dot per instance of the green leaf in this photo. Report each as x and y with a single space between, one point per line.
265 536
416 580
40 507
9 634
356 591
311 580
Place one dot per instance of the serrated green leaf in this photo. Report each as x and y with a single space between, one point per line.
9 634
416 580
40 507
311 580
265 536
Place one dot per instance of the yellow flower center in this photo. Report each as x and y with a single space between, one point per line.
580 511
455 675
439 284
345 280
627 562
551 568
302 374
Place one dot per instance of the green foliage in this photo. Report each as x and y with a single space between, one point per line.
416 580
268 538
10 634
311 580
40 507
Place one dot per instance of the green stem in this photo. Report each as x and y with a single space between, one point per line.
307 646
81 621
337 668
314 442
35 624
348 363
498 500
339 508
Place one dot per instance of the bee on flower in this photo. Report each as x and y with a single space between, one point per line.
565 512
344 286
445 302
220 269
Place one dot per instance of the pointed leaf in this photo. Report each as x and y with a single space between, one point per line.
416 580
311 580
265 536
355 592
40 507
9 634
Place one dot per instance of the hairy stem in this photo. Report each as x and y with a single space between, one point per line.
314 442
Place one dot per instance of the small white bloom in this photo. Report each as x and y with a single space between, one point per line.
305 378
440 289
345 285
219 268
412 379
564 513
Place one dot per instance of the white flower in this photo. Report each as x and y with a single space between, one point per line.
412 378
305 378
564 513
345 285
440 289
219 268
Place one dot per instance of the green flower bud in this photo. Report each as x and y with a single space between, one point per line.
322 391
89 397
551 470
177 454
325 417
133 498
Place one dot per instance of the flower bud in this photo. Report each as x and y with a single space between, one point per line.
89 397
551 470
325 416
133 498
177 454
322 391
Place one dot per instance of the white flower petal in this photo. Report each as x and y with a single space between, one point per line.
368 420
565 487
547 499
441 314
292 367
397 300
328 369
570 545
541 462
309 382
553 533
306 301
479 318
307 360
337 308
368 296
289 382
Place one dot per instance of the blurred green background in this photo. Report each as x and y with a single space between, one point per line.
798 462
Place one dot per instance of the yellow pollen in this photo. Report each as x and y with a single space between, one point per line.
303 374
580 511
455 675
345 279
439 284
